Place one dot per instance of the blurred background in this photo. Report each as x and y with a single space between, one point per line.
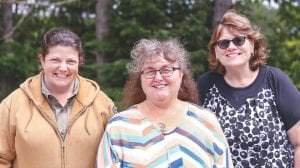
109 29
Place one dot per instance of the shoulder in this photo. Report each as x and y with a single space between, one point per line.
276 78
206 75
202 113
129 120
30 89
274 72
128 115
89 91
206 81
15 97
16 104
86 82
204 119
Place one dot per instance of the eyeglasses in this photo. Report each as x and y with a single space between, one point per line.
164 71
237 41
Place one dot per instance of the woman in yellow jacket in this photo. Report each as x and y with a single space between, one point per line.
56 118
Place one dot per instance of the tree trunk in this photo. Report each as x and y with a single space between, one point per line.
101 30
101 26
7 17
7 20
220 8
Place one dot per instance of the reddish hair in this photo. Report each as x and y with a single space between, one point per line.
238 24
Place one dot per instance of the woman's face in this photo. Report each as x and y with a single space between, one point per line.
60 67
160 88
235 55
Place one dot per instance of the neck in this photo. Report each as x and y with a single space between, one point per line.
240 77
155 112
61 94
165 118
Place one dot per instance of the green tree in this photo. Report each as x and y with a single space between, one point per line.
280 24
131 20
286 41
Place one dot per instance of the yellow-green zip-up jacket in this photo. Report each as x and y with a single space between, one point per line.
29 137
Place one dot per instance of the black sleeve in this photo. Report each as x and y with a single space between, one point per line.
204 83
287 97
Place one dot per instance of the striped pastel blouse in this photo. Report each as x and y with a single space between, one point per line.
130 140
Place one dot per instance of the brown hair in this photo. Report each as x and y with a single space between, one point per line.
62 37
172 51
237 23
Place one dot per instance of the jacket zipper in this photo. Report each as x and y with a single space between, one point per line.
63 154
63 157
62 141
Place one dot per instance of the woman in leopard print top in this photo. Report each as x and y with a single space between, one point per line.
257 106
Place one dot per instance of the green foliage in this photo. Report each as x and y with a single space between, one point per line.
285 41
112 74
116 95
112 77
281 28
188 21
290 61
131 20
16 62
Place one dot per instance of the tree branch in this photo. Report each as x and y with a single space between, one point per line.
31 7
38 4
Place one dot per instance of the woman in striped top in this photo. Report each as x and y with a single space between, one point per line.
162 127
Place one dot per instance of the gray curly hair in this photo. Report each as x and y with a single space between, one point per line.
171 49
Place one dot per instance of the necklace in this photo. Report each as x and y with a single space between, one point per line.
162 127
166 121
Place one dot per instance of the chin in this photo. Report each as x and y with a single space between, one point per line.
162 98
63 84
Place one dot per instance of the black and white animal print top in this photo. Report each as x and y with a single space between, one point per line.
255 119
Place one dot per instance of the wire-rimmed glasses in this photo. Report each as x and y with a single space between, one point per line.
164 71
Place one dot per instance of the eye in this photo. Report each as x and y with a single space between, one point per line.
166 70
71 62
148 72
223 43
54 60
239 41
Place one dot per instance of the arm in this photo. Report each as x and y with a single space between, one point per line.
288 98
107 156
204 83
7 151
223 159
294 134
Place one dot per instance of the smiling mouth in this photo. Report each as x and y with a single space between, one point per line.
160 86
233 55
61 75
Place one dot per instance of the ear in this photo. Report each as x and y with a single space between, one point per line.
42 59
252 45
216 55
181 74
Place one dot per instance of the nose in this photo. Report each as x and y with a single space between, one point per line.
231 45
63 66
158 75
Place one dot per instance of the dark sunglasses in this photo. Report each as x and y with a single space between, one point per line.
237 41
